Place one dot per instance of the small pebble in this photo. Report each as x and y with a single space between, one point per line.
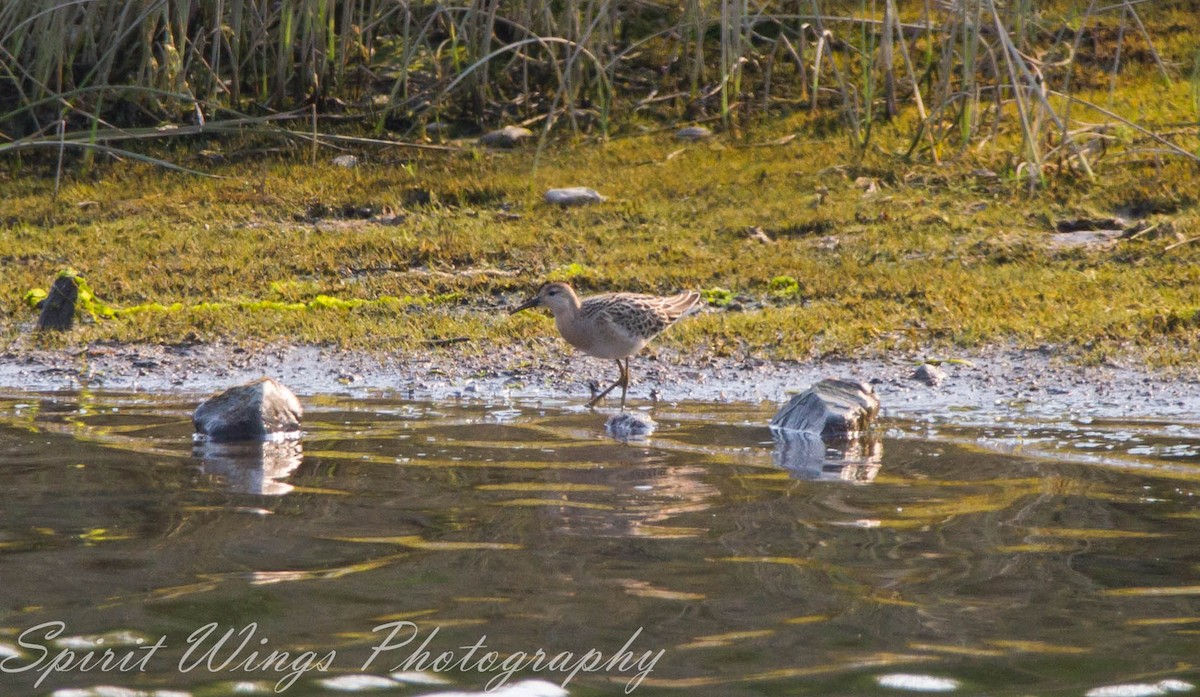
693 133
506 137
572 196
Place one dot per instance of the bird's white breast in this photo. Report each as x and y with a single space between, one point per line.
599 338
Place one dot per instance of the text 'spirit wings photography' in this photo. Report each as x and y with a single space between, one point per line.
237 653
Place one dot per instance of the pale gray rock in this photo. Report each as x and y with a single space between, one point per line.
347 161
572 196
506 137
831 408
693 133
254 411
929 374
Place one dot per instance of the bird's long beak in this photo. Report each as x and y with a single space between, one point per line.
532 302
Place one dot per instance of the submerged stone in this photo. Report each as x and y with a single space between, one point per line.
253 411
58 309
918 682
629 426
572 196
358 683
831 408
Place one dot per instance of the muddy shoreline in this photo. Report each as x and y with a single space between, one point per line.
1009 381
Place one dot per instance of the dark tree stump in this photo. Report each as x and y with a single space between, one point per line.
58 309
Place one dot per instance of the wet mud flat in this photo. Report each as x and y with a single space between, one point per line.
997 381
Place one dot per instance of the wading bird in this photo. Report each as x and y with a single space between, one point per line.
613 326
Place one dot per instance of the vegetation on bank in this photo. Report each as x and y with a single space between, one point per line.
801 256
885 175
1043 81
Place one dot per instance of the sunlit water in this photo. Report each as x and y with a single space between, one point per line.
960 554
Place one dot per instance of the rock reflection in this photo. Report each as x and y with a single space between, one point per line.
807 456
257 467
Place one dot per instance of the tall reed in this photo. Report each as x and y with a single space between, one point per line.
90 73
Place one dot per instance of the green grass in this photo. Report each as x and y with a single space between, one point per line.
934 257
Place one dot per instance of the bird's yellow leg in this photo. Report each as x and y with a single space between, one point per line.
624 380
608 389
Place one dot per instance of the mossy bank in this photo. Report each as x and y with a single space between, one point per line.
804 246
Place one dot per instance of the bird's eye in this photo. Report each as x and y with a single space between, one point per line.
552 291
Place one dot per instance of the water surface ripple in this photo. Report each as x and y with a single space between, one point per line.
957 554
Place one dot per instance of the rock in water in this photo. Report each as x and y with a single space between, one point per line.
573 196
832 408
506 137
253 411
58 309
629 426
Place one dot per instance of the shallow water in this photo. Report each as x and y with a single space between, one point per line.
964 553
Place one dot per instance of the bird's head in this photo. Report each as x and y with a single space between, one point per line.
556 295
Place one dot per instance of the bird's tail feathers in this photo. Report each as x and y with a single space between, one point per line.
683 304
